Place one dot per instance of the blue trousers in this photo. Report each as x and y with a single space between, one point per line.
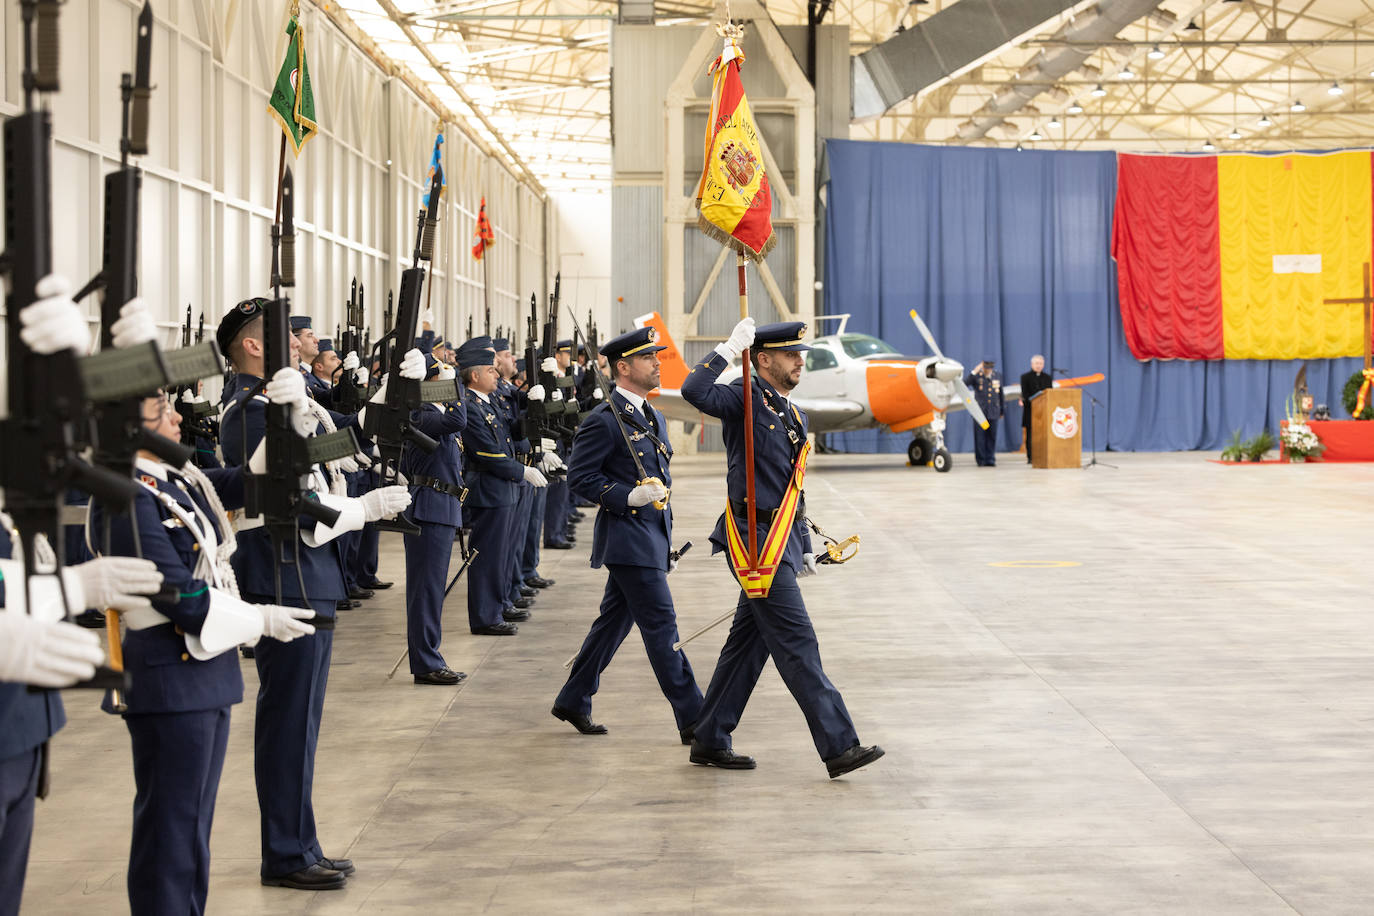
534 527
519 522
177 762
18 783
556 511
292 677
778 626
985 444
634 596
368 541
488 576
427 557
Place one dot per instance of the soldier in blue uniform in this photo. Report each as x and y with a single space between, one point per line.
632 537
292 676
436 488
558 534
776 625
986 385
521 596
182 666
491 472
319 383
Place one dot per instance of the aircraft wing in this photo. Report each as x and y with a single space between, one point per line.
822 414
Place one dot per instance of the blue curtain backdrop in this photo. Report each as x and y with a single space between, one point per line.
1006 254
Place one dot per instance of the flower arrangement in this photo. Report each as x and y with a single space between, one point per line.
1299 442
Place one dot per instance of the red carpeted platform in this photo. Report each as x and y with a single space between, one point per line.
1345 440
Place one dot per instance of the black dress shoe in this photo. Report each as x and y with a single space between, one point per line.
444 677
523 603
538 582
582 723
528 592
343 866
722 757
852 759
91 620
557 545
514 614
687 734
347 604
496 629
360 594
314 878
247 652
579 515
376 584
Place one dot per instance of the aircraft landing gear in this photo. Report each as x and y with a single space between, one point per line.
919 451
941 462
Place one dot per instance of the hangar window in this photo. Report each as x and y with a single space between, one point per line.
861 345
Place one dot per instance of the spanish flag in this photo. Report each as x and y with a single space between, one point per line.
733 195
1231 256
485 237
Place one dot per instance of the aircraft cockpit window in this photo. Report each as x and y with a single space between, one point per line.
858 346
820 358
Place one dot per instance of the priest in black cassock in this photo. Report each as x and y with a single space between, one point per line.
1032 383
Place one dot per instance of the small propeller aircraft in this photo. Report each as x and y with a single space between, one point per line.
856 381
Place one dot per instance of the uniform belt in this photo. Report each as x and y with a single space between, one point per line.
762 516
441 486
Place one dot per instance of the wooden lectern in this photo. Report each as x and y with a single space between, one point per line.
1057 428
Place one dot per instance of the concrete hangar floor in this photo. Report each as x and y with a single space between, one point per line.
1144 690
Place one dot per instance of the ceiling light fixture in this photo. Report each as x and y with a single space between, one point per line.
1208 146
1234 134
1297 106
1075 108
1098 92
1265 120
1192 26
1126 73
1035 134
1018 147
1155 53
1335 89
1054 121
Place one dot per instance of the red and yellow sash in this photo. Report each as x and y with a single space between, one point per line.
1363 397
758 580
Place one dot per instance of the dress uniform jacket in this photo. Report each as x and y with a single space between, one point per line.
779 431
602 471
489 455
442 423
318 388
987 391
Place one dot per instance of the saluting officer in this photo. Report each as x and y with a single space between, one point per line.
183 668
632 537
987 391
491 473
292 676
778 624
436 489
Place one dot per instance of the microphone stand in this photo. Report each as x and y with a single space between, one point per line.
1093 404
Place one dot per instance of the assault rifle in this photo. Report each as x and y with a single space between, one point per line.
565 414
195 360
47 394
281 495
349 395
388 423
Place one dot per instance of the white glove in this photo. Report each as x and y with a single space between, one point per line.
288 387
739 340
558 394
135 325
551 462
54 322
427 317
349 465
384 502
285 623
413 365
534 476
598 393
537 393
46 654
360 377
548 365
192 397
808 566
647 493
672 565
447 372
572 403
118 582
350 362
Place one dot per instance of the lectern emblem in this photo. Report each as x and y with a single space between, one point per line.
1064 424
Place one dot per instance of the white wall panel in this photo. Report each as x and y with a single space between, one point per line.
210 175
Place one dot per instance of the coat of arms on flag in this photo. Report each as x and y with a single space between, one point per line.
734 196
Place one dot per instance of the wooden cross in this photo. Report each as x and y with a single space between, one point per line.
1367 301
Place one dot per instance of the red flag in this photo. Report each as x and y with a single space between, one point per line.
734 196
485 237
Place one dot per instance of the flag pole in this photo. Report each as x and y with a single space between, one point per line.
748 392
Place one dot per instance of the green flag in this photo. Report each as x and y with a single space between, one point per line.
293 104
